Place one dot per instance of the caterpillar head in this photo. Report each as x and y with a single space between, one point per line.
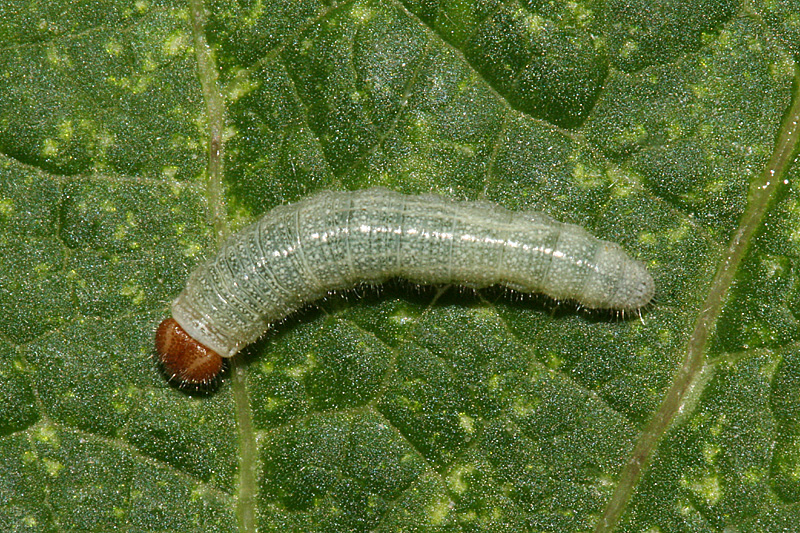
184 359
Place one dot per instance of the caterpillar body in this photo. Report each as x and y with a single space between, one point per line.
300 252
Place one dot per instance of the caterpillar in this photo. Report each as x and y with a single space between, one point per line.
300 252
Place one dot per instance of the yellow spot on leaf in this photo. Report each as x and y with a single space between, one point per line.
707 488
362 13
52 467
467 423
113 48
50 148
438 511
6 207
176 44
456 480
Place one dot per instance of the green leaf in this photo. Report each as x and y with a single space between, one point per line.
135 135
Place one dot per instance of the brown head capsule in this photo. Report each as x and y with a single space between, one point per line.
185 359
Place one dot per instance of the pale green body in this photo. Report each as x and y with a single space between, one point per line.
298 253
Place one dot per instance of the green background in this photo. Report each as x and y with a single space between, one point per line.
404 409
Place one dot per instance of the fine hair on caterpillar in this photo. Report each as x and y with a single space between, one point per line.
298 253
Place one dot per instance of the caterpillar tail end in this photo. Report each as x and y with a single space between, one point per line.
183 358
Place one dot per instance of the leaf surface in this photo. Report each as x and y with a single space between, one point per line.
135 135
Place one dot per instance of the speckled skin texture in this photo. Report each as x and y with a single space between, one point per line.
336 240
